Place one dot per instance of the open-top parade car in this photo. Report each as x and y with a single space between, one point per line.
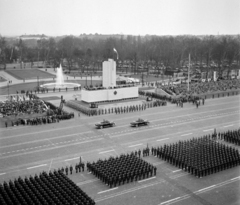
104 123
139 122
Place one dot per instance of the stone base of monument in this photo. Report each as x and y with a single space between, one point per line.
108 95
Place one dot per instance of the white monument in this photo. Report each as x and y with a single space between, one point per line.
109 73
112 91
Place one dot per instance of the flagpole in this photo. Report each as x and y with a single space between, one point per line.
189 70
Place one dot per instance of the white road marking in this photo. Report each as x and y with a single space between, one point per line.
170 200
107 190
71 159
186 134
207 130
228 125
146 179
206 188
135 145
106 151
235 178
177 170
41 165
163 139
2 174
168 124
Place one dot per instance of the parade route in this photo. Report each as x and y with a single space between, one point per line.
26 150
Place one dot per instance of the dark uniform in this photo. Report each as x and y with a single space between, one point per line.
71 169
76 168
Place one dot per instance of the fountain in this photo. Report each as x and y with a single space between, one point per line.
60 82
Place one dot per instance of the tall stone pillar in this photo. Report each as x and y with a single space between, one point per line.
109 73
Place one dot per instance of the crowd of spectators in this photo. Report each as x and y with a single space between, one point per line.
21 107
202 87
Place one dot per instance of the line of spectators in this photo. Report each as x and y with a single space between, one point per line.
202 87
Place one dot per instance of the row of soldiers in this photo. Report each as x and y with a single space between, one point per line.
41 120
232 136
123 169
79 167
200 156
131 108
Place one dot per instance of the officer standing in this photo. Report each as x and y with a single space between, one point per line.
71 169
66 170
76 168
6 124
139 153
83 165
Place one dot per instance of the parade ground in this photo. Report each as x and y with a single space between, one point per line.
29 150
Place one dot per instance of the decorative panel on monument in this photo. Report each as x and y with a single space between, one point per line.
109 94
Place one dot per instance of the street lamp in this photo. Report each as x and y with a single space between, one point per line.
8 88
142 79
189 70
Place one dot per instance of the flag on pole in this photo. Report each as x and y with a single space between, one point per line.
114 49
11 54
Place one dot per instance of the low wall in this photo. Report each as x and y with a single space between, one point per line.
90 96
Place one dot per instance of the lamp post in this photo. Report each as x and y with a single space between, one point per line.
86 79
8 89
189 70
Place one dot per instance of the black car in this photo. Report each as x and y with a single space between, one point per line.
104 123
139 122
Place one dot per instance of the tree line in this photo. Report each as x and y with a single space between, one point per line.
135 52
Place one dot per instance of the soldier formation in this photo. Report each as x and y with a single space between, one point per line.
122 169
52 188
199 156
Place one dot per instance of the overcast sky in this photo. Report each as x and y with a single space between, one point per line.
136 17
